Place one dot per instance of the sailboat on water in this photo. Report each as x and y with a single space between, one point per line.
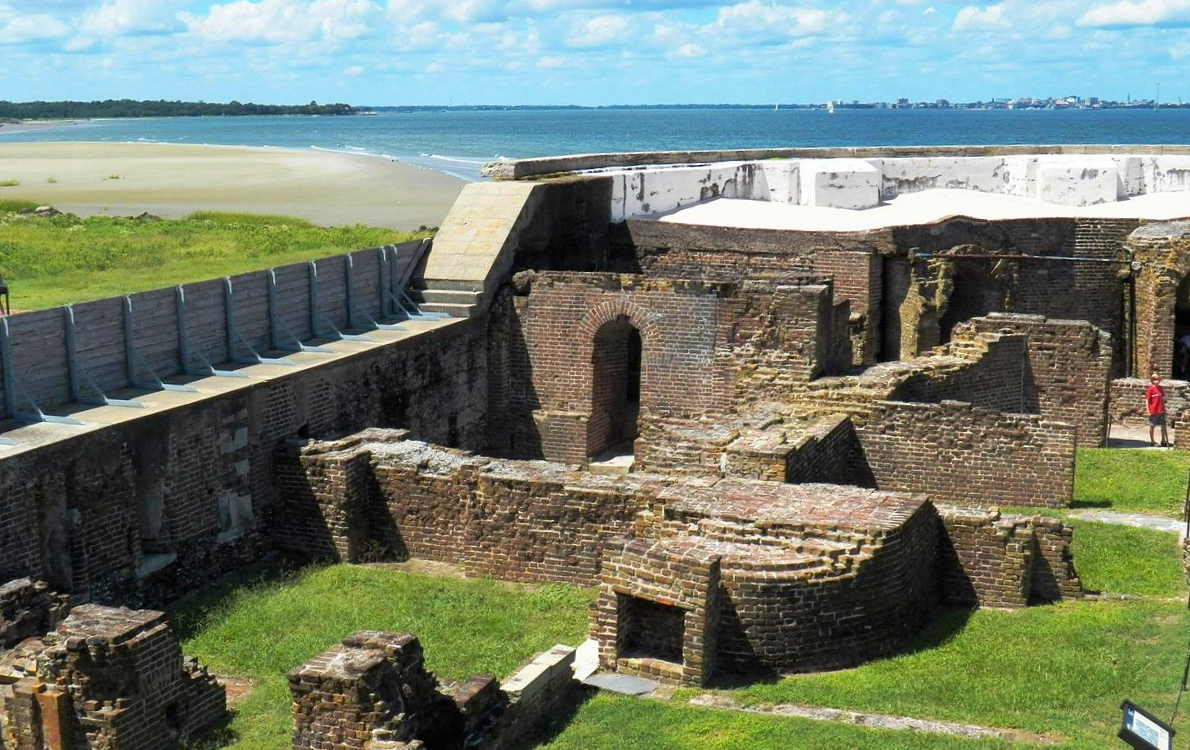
830 108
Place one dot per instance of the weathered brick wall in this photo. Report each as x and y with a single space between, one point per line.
526 522
372 686
28 608
151 507
1069 365
992 560
959 453
992 375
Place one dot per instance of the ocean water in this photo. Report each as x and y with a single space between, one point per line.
460 142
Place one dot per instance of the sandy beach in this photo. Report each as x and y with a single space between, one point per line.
118 179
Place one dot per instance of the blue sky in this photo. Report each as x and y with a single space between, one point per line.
590 51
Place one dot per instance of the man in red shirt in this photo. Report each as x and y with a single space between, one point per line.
1155 406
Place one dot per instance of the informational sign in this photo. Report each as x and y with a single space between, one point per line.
1142 730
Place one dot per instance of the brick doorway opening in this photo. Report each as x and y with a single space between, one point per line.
615 389
652 630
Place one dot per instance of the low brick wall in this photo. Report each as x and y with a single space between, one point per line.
992 560
958 453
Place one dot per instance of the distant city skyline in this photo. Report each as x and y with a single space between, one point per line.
592 52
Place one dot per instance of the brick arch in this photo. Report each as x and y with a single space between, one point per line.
642 319
601 426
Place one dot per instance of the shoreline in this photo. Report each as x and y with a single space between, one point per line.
172 180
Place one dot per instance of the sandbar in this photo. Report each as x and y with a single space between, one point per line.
172 180
924 207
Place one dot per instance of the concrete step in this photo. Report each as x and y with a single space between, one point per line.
453 309
448 284
445 296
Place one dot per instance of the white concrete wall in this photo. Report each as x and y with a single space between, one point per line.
986 174
1077 181
782 176
1070 180
654 191
839 183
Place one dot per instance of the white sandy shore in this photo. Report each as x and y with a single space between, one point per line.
126 179
918 208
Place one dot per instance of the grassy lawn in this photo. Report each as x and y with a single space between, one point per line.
1151 482
260 630
50 261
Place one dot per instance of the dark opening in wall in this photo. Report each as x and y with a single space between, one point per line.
1181 331
654 630
615 388
977 291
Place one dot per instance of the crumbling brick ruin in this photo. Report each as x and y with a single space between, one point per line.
770 449
372 692
104 678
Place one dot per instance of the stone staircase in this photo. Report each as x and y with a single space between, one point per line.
458 299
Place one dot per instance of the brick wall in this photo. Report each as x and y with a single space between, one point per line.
1069 364
151 507
991 560
960 453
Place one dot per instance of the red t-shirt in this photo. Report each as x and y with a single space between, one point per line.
1155 400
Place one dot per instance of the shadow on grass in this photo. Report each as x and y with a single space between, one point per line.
558 722
1090 504
944 626
208 606
214 737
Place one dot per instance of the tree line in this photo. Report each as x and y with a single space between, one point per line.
159 108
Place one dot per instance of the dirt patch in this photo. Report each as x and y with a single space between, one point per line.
237 687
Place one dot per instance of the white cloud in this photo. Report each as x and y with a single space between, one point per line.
355 70
1142 13
688 51
32 29
123 17
551 62
772 23
285 21
973 18
600 31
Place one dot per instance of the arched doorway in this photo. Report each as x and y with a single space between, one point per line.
615 388
1181 331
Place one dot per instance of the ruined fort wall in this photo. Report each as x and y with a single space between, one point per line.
1068 368
180 495
993 560
959 453
994 378
705 347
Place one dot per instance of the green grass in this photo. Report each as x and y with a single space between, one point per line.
1123 560
262 630
51 261
1062 668
619 723
9 183
1152 482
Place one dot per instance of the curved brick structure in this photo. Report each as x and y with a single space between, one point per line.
745 576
